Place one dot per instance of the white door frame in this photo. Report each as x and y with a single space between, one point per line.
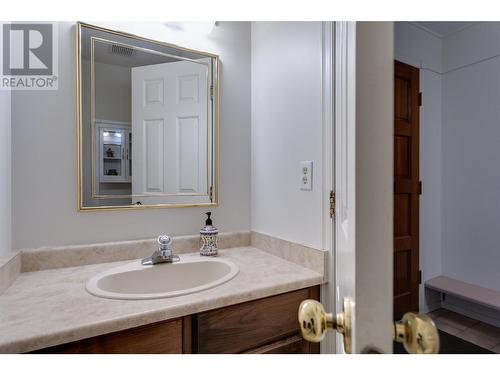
338 112
344 164
327 98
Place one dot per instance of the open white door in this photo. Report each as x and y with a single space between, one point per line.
363 159
364 168
170 132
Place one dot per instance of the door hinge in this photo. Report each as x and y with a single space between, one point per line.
420 99
420 188
212 92
211 193
420 276
332 204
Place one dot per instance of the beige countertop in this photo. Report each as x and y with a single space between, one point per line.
52 307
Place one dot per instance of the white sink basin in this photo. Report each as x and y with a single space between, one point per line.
135 281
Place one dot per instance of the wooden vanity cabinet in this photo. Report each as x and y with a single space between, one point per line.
267 326
158 338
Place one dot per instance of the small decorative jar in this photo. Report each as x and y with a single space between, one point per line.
208 238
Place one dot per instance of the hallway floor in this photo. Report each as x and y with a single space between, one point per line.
468 329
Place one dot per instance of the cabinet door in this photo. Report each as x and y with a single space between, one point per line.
158 338
291 345
249 325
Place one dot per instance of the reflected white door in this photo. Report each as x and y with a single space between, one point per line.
170 132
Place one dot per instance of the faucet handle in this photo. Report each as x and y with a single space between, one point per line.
163 254
164 239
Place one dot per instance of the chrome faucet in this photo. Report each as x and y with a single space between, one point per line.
164 253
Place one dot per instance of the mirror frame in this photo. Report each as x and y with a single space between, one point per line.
79 120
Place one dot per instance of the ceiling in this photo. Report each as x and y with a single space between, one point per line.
445 28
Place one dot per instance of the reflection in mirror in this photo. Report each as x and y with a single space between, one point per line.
148 115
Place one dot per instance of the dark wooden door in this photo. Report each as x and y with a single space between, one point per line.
406 188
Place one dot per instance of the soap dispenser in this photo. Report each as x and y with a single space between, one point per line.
208 238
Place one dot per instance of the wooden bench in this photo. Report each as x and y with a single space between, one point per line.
470 292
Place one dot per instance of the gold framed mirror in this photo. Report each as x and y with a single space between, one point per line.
147 122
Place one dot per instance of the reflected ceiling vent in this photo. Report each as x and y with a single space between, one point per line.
120 50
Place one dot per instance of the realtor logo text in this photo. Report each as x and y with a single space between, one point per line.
29 56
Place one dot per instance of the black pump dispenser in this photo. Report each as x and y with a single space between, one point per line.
208 222
208 238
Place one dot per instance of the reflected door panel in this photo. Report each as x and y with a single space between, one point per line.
169 108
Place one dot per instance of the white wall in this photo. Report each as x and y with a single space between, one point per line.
44 151
113 92
423 50
473 44
471 155
5 173
286 128
113 102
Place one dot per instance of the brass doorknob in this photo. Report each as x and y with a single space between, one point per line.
314 322
418 333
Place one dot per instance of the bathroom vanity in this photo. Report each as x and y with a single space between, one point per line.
47 308
267 325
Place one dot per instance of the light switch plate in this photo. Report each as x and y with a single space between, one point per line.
306 169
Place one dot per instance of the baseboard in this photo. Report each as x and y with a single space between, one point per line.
472 310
